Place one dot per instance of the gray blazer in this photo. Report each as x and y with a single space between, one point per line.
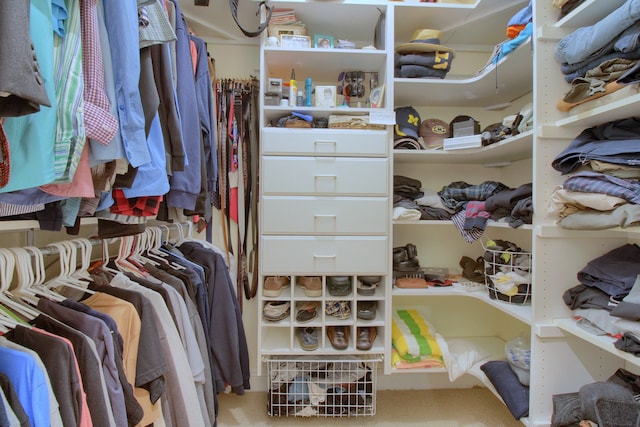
22 89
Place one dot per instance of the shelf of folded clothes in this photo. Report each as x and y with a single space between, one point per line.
494 85
604 342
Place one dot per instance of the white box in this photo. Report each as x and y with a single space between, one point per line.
461 142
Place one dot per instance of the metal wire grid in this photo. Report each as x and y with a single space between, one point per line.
336 386
518 264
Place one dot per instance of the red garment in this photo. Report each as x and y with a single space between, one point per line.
137 206
5 158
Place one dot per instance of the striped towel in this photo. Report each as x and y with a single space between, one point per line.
413 336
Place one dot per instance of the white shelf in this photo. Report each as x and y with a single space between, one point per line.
496 85
521 312
604 342
456 21
448 223
615 106
511 149
321 64
589 12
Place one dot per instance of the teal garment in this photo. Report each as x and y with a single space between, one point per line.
31 137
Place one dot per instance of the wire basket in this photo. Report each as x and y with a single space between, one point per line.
507 274
336 386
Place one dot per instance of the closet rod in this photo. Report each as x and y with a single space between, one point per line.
52 250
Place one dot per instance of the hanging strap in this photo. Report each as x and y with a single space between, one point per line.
233 4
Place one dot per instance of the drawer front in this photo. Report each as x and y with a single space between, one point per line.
309 255
324 142
324 215
324 176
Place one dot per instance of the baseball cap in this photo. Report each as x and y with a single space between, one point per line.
433 132
407 123
463 126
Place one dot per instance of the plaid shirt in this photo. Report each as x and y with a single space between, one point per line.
137 206
100 125
595 182
457 194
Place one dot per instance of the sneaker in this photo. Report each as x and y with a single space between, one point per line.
308 338
312 285
273 285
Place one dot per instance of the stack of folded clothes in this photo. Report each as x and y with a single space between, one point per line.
423 56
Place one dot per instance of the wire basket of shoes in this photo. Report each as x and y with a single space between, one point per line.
336 386
507 272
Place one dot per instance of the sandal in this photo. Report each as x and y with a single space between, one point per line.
276 310
306 311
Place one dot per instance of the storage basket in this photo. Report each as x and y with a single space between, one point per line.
507 274
336 386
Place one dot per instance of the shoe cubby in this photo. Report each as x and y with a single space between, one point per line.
312 302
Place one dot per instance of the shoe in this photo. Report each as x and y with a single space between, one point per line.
339 286
276 310
312 285
306 311
366 336
338 309
273 285
308 338
338 336
367 285
367 310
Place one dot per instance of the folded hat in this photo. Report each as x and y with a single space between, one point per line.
423 40
407 123
433 132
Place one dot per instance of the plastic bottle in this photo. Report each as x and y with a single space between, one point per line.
308 87
300 100
293 89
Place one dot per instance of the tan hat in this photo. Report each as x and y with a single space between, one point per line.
424 40
433 132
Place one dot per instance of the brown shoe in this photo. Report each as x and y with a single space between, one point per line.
312 285
366 336
338 336
273 285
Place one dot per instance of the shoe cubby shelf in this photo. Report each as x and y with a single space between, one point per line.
364 311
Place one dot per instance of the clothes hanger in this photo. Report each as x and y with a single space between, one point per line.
153 245
122 261
67 253
22 288
37 276
7 265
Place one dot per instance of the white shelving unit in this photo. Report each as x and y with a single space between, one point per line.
318 217
469 29
565 355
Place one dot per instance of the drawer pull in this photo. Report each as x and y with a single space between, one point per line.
325 256
325 146
318 216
